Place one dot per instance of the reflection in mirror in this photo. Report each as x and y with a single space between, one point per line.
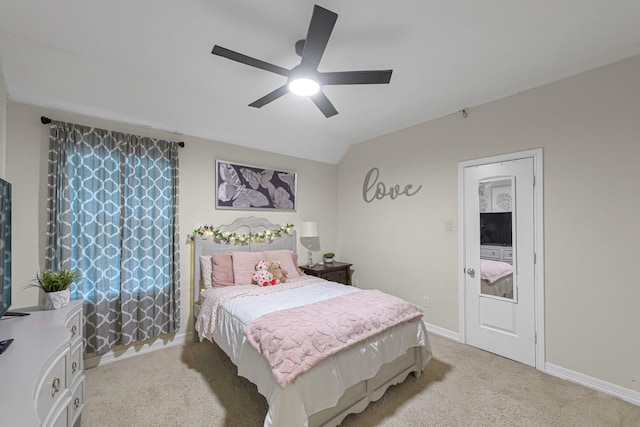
497 238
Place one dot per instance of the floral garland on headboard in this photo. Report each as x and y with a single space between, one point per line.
241 239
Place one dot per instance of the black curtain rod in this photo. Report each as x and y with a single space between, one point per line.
47 120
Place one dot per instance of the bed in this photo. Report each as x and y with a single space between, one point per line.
496 278
343 383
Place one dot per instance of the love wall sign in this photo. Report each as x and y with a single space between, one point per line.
373 189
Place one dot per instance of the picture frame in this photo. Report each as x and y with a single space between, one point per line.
247 187
502 198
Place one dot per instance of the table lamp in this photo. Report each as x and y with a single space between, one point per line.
309 230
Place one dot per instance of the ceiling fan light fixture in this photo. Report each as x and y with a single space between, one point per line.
304 86
304 79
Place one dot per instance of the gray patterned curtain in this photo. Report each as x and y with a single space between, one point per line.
112 214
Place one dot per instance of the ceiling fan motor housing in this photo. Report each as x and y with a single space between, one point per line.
300 47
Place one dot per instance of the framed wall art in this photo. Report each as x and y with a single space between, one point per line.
247 187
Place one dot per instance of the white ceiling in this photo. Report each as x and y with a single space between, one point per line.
148 62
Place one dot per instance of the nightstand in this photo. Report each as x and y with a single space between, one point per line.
335 272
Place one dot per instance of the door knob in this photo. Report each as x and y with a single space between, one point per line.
471 272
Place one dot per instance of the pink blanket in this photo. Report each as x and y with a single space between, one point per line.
295 339
490 271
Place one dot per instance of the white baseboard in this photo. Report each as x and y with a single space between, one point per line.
122 353
626 394
442 332
623 393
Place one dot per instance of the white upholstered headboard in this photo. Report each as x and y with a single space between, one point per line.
207 245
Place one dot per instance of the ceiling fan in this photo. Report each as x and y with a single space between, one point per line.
305 79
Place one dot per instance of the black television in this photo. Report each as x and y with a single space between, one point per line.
495 228
5 246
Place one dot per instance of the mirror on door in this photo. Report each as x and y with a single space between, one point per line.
497 237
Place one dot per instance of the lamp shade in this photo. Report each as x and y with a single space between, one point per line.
309 229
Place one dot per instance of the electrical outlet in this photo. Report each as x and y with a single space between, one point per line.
427 302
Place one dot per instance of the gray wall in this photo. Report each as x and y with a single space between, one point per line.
589 129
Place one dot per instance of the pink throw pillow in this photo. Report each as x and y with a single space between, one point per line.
222 274
285 258
244 265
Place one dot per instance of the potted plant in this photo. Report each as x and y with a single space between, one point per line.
328 257
54 287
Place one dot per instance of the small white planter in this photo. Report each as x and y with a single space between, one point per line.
328 260
54 300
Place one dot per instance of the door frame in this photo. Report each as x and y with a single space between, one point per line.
538 237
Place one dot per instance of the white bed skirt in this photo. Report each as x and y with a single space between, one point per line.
323 385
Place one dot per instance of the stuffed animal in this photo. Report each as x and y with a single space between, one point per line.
262 276
278 272
262 265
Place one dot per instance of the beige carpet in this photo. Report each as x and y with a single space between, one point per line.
196 385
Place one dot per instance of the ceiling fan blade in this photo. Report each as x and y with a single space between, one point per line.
356 77
320 28
244 59
323 103
271 96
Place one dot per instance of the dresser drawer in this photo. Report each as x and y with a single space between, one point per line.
52 384
59 416
507 254
493 254
76 362
336 276
74 324
77 400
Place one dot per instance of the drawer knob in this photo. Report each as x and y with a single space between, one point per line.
76 403
55 386
74 367
74 329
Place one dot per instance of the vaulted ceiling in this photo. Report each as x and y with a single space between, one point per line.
149 62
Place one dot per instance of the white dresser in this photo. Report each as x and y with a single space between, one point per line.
41 373
497 253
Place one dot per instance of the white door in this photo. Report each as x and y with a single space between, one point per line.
498 239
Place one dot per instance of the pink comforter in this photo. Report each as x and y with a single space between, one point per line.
490 271
296 339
